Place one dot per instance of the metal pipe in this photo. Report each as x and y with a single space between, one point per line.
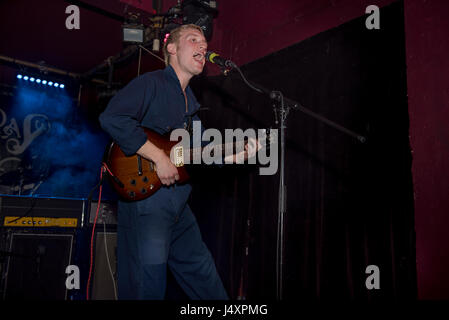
51 69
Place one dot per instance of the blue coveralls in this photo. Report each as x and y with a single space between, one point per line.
160 230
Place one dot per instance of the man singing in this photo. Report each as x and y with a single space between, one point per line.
161 231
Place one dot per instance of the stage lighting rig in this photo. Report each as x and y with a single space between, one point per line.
42 82
153 33
173 19
133 30
201 13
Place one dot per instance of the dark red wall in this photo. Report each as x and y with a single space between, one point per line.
248 30
427 34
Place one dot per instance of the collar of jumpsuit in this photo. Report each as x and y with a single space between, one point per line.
191 104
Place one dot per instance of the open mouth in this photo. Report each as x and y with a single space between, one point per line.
199 57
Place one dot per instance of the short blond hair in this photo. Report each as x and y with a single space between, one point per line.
174 36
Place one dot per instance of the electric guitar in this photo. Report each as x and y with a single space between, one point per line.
135 178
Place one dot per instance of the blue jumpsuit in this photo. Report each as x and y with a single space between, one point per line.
161 230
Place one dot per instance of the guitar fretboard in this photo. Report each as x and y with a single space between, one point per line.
211 149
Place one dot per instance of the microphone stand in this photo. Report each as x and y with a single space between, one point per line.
284 107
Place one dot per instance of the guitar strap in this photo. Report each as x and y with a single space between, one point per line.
189 125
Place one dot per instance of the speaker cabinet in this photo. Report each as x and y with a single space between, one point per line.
36 264
104 286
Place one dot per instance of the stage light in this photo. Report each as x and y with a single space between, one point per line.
133 30
201 13
133 34
40 81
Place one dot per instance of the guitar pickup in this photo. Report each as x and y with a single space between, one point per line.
178 154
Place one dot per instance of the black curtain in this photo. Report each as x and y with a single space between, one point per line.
349 205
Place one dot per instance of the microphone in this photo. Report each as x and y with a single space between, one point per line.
215 58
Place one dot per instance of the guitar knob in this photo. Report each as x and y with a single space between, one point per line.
133 182
151 186
143 191
132 194
145 179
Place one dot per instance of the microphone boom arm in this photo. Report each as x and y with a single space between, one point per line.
285 105
291 104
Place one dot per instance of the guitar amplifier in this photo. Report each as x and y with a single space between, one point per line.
33 264
33 212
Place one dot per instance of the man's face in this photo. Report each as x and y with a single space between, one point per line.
190 51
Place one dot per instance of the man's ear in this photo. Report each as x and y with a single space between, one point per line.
171 48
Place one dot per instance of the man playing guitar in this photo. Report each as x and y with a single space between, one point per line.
161 231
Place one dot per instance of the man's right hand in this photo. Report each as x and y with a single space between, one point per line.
165 169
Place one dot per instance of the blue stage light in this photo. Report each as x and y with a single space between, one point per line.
41 81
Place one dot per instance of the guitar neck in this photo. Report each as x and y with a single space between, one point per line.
212 149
